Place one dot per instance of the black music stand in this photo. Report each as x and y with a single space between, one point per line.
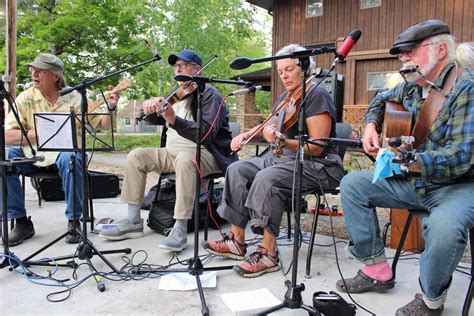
57 132
85 249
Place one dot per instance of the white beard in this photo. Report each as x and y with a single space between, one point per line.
415 76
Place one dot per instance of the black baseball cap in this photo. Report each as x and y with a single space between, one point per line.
417 33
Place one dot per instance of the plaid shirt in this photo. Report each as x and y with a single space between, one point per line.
445 157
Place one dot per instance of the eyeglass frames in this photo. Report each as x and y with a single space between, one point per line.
410 51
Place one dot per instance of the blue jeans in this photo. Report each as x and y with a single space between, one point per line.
450 214
15 198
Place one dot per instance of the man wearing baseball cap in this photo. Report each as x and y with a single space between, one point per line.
440 178
178 155
47 74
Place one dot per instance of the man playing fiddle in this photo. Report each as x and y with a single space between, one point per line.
442 173
256 190
177 156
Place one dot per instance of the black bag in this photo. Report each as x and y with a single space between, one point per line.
332 304
103 185
161 213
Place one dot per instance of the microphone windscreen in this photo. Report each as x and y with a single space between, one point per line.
240 63
183 78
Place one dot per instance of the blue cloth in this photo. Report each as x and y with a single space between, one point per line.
15 198
384 165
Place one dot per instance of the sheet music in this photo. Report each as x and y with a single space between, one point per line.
54 131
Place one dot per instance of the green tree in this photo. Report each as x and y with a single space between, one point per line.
94 37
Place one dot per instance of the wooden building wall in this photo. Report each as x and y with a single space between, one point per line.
380 26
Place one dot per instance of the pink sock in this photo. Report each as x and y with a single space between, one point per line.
379 271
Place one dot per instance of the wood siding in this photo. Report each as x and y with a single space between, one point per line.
380 26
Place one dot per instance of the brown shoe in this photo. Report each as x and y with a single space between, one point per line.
362 283
22 231
417 307
227 247
75 235
258 263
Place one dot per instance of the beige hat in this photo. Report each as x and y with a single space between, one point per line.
47 61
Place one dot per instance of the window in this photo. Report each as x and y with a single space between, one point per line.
367 4
314 8
382 80
128 121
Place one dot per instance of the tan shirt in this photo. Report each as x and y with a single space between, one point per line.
33 101
176 143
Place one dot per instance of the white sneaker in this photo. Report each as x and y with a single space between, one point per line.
123 229
175 241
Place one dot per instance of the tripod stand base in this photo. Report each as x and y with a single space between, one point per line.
85 250
293 300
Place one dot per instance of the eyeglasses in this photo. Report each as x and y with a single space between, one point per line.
182 65
37 70
410 51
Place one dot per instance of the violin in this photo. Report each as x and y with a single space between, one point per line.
184 90
286 113
181 93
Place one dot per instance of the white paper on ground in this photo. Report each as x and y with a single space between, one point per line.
184 281
249 302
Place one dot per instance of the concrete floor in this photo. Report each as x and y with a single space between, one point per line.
22 296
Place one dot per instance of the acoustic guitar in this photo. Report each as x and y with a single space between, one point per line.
124 84
397 122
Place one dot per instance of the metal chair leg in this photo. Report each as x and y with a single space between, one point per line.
313 234
400 244
470 290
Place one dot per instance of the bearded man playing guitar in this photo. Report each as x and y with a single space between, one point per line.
440 95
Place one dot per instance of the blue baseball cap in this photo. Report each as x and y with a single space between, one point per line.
186 55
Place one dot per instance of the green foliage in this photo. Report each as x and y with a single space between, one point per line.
89 35
94 37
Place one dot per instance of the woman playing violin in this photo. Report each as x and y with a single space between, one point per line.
179 111
257 189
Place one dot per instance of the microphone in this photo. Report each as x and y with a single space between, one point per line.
240 63
245 90
347 45
66 90
38 158
357 143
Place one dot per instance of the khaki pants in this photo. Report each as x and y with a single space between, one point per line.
140 161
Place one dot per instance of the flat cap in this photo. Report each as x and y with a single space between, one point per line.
415 34
47 61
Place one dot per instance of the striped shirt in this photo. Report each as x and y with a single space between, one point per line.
445 156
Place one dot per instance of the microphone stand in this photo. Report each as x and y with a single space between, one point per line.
86 249
5 95
195 266
293 298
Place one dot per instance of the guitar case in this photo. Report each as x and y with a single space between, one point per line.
103 185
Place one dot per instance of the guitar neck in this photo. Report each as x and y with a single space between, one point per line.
95 104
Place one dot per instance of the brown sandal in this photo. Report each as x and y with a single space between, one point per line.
418 307
363 283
